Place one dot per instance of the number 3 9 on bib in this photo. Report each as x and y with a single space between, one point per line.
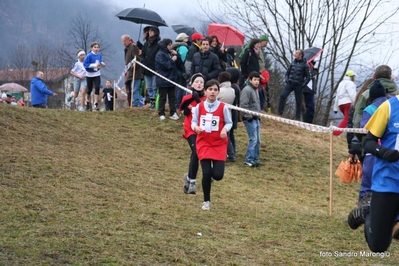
209 122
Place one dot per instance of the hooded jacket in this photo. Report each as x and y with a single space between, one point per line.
39 91
165 66
346 93
391 90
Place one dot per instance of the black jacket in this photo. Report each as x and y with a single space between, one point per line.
206 63
150 50
249 62
298 74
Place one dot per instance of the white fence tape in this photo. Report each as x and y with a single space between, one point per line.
311 127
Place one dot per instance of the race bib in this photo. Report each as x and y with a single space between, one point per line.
209 122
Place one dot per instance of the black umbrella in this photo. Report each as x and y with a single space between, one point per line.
182 28
142 16
311 53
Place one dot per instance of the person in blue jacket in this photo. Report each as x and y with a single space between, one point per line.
39 91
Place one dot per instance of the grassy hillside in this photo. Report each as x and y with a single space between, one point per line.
106 189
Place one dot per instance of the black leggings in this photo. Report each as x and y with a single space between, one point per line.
211 169
96 81
379 223
193 164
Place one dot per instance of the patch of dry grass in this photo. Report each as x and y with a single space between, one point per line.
106 189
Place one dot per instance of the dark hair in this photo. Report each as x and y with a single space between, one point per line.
383 71
206 39
79 50
210 83
253 42
93 44
108 80
363 89
213 37
302 52
224 76
166 41
254 74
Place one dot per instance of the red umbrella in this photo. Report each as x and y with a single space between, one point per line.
227 35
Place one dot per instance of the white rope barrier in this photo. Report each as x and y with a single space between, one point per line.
307 126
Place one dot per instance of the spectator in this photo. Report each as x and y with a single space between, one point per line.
180 46
354 145
235 77
231 55
150 50
249 100
194 48
205 62
250 60
13 100
346 94
132 51
167 61
20 102
227 95
263 89
384 74
39 91
219 50
3 98
297 77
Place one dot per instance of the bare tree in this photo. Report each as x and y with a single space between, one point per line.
350 32
19 64
81 34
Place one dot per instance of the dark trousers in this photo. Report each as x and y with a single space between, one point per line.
42 105
163 93
298 99
211 169
193 164
379 223
128 87
231 151
262 98
96 81
109 106
309 104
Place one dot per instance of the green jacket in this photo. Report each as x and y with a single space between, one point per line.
391 89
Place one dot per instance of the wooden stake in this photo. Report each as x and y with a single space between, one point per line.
134 72
331 170
113 96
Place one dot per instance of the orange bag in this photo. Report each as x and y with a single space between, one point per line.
344 171
357 173
349 170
